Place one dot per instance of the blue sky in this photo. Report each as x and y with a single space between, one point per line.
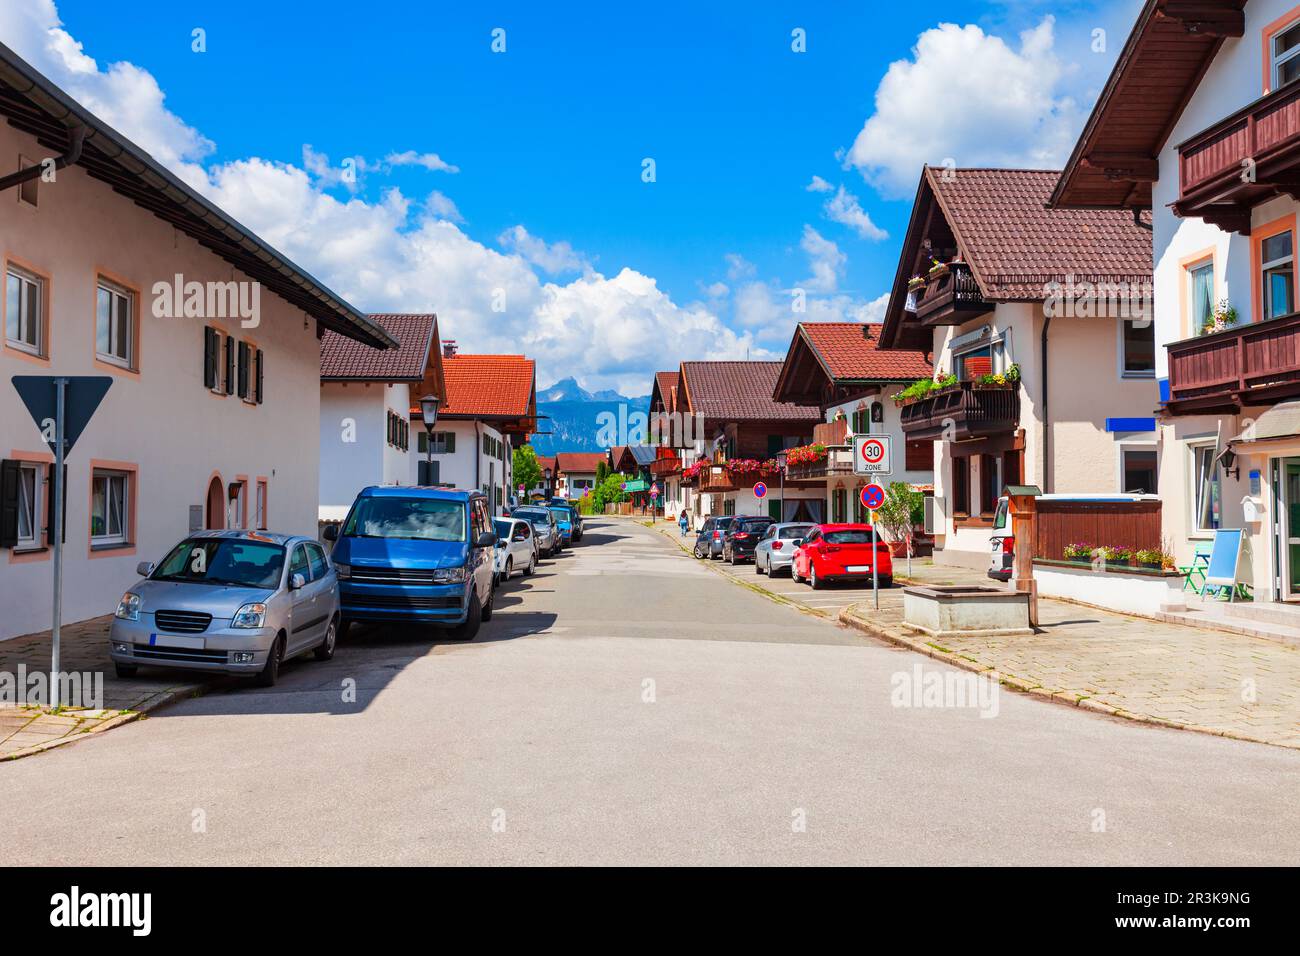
550 136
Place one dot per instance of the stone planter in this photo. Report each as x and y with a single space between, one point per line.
964 610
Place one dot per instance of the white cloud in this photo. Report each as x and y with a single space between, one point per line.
825 260
818 185
738 267
845 209
969 97
439 205
430 161
717 290
554 258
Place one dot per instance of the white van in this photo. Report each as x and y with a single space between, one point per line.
1002 543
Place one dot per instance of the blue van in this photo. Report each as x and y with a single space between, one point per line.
416 556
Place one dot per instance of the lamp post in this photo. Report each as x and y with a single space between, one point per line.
429 412
547 473
782 459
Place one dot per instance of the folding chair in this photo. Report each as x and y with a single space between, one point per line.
1194 573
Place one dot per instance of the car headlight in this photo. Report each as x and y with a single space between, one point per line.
250 615
449 575
128 609
342 571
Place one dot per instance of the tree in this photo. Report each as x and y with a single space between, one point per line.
901 511
527 470
608 492
602 471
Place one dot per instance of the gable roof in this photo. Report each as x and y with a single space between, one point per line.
1014 244
416 335
489 386
1167 53
739 392
823 354
36 106
663 395
578 462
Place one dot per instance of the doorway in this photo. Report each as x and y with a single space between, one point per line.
1286 527
216 505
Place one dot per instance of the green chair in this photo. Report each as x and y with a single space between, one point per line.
1194 573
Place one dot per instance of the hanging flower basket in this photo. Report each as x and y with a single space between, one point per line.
938 269
916 283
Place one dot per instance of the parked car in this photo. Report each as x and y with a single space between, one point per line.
516 547
708 540
1002 542
742 537
574 515
545 528
842 552
775 549
237 602
563 518
416 556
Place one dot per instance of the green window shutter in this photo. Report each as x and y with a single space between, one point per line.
9 503
260 370
211 357
451 442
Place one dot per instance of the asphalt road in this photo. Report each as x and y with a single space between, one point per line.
631 705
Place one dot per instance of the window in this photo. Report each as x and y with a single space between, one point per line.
319 566
237 513
212 359
1207 489
20 505
1137 348
259 518
299 564
115 324
1284 50
961 486
444 443
1138 467
399 431
1201 295
919 456
258 376
971 365
990 483
24 311
29 191
1278 278
839 505
109 500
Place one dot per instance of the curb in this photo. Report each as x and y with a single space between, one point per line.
849 619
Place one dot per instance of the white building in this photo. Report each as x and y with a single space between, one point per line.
490 409
576 472
211 417
366 397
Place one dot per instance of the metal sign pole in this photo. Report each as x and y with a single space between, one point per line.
875 563
60 392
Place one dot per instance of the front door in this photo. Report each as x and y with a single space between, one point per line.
1289 528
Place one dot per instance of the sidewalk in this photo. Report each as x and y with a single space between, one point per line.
83 649
1174 675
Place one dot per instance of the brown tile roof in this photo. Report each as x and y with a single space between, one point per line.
666 389
1016 245
343 358
489 386
740 391
851 351
578 462
544 462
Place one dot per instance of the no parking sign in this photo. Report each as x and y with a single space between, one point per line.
873 496
760 491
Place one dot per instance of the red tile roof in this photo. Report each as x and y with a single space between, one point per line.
544 462
1016 245
740 391
578 462
666 389
344 359
851 350
488 386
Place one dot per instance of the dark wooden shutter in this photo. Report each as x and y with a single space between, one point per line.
919 456
260 372
9 475
243 369
49 503
450 442
211 357
230 365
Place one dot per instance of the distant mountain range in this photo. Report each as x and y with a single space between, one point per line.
574 416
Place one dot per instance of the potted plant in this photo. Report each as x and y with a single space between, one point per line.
916 283
1152 559
1223 317
938 269
1078 552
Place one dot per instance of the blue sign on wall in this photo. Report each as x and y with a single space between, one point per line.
1130 424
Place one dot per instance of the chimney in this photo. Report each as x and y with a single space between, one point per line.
449 348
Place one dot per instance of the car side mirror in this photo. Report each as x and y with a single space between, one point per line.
297 582
486 540
798 542
144 568
331 532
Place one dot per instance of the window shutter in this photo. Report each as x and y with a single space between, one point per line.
243 369
919 455
230 365
8 503
49 503
422 442
211 358
450 441
258 362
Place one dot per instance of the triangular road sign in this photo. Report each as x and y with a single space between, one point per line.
82 396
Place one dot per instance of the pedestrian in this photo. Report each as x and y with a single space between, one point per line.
684 522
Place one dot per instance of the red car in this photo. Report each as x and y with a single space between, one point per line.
841 552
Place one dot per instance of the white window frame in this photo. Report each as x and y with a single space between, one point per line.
1275 61
259 516
1194 450
998 344
110 477
28 281
1266 267
32 541
117 293
1189 276
1126 446
1124 372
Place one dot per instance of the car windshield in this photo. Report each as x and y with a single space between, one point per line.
224 561
532 516
724 523
753 527
796 531
420 519
848 537
561 514
502 528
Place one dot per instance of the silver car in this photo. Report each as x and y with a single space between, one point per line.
237 602
546 530
775 550
516 548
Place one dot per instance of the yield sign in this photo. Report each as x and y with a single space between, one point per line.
82 396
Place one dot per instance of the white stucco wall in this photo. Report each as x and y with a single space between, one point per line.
458 469
354 447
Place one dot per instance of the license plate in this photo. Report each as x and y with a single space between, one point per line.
858 568
174 640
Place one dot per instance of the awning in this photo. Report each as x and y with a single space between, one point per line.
638 485
1275 432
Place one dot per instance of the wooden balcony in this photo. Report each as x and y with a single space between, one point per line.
1257 363
1245 159
951 298
961 413
838 461
715 479
831 433
665 466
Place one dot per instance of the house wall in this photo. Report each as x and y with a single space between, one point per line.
494 476
159 421
354 448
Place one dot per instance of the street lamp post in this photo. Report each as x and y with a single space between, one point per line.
782 459
547 473
429 412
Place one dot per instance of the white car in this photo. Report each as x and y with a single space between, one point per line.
516 547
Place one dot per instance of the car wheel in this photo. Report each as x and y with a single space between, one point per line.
816 582
532 566
733 560
126 670
887 581
468 629
794 575
758 565
325 651
510 568
487 608
271 672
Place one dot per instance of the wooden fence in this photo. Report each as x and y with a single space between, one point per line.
1118 524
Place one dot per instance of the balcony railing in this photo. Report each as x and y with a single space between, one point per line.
951 298
838 461
1244 159
831 433
665 466
715 478
966 411
1253 364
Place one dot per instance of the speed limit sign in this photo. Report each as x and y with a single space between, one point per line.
872 455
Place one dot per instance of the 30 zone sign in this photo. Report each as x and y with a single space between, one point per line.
872 455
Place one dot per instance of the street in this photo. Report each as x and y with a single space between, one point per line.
639 708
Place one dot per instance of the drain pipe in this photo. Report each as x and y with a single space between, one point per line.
77 139
1047 420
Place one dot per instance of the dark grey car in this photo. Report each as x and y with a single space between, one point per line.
708 542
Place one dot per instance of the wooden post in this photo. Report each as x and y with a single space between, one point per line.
1024 528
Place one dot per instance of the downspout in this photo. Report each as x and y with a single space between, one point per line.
77 139
478 457
1047 420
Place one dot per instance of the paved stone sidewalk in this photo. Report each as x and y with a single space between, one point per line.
83 650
